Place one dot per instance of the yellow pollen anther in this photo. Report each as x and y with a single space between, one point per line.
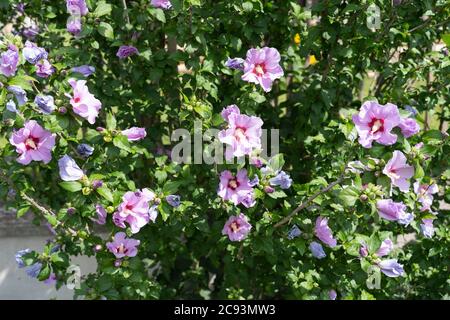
376 126
259 70
239 134
31 143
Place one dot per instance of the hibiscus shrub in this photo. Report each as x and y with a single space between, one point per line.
353 204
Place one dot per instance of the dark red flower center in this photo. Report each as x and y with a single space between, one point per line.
239 133
376 125
129 207
122 249
234 226
233 184
393 173
77 99
31 143
259 69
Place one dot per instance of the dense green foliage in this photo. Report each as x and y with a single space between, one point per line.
180 76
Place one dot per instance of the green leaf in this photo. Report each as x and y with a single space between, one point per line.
106 193
160 175
71 186
385 182
171 187
367 296
349 195
102 9
195 2
446 39
257 97
276 163
22 81
122 142
51 219
3 97
204 110
164 210
277 194
418 173
106 30
431 135
353 248
365 265
22 211
159 15
44 273
59 258
104 283
111 122
373 244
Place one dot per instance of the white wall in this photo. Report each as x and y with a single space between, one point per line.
16 284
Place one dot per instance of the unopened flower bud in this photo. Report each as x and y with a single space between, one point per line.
85 181
363 197
257 162
100 129
82 234
117 263
86 191
62 110
98 247
97 184
268 189
110 209
71 210
85 150
363 252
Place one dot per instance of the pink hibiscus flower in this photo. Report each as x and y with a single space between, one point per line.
235 188
237 227
399 171
33 143
262 66
425 194
163 4
122 246
374 122
83 102
323 232
394 211
135 210
135 133
243 134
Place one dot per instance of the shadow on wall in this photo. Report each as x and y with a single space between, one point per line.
16 284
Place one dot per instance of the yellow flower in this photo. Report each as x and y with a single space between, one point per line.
312 60
297 38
